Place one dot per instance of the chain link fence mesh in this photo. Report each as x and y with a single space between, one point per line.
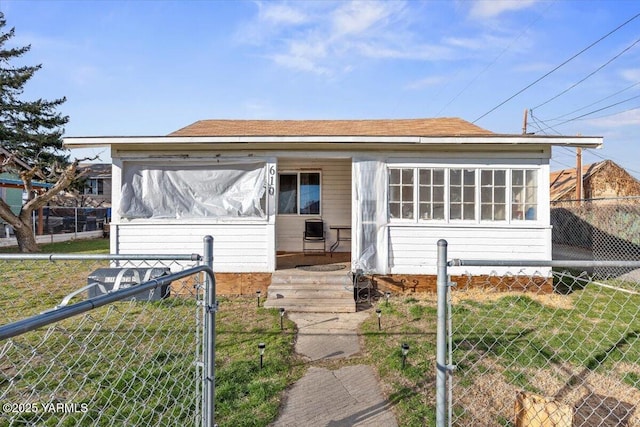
597 229
565 353
133 362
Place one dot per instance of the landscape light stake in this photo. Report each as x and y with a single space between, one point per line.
281 317
387 295
405 350
258 295
379 313
261 351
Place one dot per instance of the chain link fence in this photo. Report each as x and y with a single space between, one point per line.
63 220
597 229
550 345
133 362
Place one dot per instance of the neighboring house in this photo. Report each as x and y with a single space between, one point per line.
602 224
98 183
401 185
604 179
12 188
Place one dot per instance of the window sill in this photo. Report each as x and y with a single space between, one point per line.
436 224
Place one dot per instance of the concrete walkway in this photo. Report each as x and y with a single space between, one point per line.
349 396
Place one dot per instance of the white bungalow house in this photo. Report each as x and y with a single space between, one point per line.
399 185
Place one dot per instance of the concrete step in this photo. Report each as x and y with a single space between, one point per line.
308 279
296 290
345 284
325 305
299 292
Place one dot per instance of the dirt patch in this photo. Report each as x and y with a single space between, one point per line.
597 399
483 295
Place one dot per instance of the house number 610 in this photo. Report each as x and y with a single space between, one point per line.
272 179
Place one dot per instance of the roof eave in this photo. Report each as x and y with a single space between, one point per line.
583 142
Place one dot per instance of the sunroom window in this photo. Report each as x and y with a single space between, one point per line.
462 194
493 195
401 193
524 190
431 193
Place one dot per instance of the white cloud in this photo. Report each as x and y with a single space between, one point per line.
626 118
300 63
328 38
385 50
357 17
486 42
426 82
631 74
280 14
271 20
492 8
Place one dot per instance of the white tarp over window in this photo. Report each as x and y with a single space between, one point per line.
371 219
228 189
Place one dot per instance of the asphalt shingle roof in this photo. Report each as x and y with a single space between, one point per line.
447 126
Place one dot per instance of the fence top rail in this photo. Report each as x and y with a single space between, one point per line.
100 257
595 199
64 312
542 263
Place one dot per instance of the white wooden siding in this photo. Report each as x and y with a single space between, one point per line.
413 249
237 247
335 204
250 246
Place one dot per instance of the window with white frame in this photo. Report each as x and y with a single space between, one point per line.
299 193
524 190
401 193
431 188
493 195
462 194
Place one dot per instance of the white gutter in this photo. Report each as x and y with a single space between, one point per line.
575 141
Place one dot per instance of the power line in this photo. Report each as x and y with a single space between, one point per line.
594 103
561 163
568 149
600 156
589 75
541 129
494 60
598 110
558 67
535 123
616 113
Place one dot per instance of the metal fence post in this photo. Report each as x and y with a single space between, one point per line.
441 336
209 377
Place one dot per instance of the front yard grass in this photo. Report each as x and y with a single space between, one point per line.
80 246
134 362
562 346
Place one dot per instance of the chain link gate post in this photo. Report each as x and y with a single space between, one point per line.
209 332
441 336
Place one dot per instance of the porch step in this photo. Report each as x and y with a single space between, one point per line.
324 305
302 291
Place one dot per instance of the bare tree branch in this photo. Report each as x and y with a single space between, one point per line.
66 177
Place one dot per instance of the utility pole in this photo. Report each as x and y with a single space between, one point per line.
579 174
524 121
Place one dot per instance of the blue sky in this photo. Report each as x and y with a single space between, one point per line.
151 67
